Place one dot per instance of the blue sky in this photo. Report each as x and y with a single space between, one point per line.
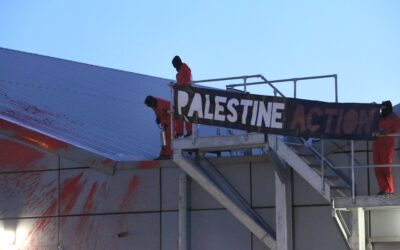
358 40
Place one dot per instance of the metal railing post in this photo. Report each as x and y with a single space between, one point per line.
353 184
245 90
336 89
322 166
295 88
171 117
196 134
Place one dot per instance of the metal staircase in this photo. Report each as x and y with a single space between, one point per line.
313 154
312 165
300 158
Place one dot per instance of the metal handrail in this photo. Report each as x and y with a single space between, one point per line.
227 78
370 166
294 80
330 165
353 167
373 165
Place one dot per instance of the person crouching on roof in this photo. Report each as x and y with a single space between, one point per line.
161 109
383 146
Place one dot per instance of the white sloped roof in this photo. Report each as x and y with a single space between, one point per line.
95 108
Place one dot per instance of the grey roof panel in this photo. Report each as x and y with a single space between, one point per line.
95 108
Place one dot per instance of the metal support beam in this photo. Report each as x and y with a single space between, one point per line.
223 192
220 143
283 208
357 239
183 212
341 223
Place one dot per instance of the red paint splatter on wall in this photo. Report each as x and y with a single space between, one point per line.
88 206
41 224
130 192
148 164
16 157
104 190
38 197
70 190
107 162
133 183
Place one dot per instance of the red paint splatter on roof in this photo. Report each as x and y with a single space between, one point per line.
33 110
130 192
16 157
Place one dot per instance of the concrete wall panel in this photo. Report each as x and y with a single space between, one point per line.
28 194
35 234
105 232
269 216
211 230
170 187
263 185
304 194
216 230
87 191
386 246
385 223
170 231
309 232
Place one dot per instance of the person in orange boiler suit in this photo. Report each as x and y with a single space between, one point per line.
161 109
183 77
383 147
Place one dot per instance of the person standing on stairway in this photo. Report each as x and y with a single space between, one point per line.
383 147
183 78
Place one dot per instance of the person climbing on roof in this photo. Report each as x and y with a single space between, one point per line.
383 147
161 109
183 78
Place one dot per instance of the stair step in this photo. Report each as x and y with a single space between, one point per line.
328 173
340 187
331 176
305 154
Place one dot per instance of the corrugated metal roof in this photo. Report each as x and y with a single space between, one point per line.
94 108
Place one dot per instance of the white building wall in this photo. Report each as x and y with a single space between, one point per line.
53 202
